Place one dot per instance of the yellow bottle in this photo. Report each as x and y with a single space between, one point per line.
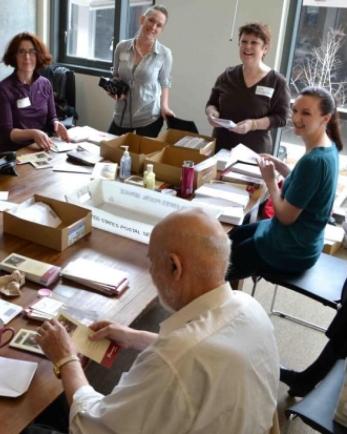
149 177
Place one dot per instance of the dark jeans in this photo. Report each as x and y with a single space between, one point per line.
245 260
151 130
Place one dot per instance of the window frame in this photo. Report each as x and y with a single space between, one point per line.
58 40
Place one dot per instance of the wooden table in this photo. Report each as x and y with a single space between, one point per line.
122 253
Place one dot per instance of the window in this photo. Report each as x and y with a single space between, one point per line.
90 29
320 55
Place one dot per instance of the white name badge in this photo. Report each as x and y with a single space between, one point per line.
124 56
264 91
23 102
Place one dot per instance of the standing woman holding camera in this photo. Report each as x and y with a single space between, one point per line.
145 65
27 110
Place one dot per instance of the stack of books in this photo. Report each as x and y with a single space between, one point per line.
102 278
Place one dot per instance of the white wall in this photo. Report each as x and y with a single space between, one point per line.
198 34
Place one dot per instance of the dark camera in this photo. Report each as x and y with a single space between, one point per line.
114 86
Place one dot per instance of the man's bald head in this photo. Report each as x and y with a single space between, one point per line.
199 244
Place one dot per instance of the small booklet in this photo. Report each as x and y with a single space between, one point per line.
246 169
103 351
102 278
62 146
36 271
82 155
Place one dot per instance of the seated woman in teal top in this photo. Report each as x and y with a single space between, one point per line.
292 240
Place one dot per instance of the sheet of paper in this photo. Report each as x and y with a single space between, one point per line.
6 205
8 310
3 195
15 376
225 123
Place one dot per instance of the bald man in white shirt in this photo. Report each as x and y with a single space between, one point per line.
213 367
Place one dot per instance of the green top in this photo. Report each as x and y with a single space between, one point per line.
311 186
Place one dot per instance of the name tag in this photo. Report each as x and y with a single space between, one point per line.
124 56
23 102
264 91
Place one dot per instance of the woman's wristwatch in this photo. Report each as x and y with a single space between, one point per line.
62 362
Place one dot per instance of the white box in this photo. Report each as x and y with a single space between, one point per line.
127 210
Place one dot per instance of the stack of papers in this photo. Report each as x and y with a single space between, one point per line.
44 309
246 169
61 146
191 142
104 279
224 123
80 134
241 153
230 200
36 271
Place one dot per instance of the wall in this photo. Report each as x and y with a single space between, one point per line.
198 33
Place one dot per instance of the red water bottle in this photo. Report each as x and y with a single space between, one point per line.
187 178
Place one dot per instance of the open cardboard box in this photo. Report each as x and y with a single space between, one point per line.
127 210
171 136
76 224
139 148
167 165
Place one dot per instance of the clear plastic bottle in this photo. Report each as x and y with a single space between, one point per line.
149 177
125 164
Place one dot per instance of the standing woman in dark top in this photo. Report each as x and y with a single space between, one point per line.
27 110
252 95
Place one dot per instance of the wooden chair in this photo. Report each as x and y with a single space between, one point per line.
317 409
324 282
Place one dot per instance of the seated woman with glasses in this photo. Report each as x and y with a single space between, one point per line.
27 110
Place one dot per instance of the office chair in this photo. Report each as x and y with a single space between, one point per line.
324 282
317 408
64 89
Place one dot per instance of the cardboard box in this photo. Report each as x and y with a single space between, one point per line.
171 136
139 148
167 165
333 238
127 210
76 224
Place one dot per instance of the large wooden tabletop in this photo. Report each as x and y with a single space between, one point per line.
119 252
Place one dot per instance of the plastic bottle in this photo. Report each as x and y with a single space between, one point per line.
125 164
149 177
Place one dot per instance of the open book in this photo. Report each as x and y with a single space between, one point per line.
102 278
240 153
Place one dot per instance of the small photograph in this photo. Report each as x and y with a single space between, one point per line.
69 326
41 164
20 336
41 155
14 260
30 341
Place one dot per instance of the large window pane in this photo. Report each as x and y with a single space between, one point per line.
90 29
320 56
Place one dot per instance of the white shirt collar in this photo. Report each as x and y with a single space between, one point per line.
195 308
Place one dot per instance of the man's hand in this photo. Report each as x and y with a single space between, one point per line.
55 341
124 336
118 333
42 140
61 131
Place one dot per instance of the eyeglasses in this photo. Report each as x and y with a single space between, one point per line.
23 52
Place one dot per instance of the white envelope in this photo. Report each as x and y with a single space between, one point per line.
15 376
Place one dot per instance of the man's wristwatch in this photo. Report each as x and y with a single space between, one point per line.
62 362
